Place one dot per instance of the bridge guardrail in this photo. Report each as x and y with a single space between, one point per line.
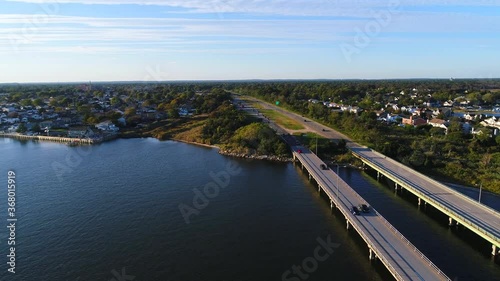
495 212
430 200
415 249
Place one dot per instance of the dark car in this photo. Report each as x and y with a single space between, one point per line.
364 208
323 167
355 211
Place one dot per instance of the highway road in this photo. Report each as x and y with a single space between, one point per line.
401 258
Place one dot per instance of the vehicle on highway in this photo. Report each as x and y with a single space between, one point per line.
355 210
364 208
323 130
323 167
299 151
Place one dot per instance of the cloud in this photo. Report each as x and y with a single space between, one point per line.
280 7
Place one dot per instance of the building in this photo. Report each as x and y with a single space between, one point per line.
414 121
80 132
439 123
107 126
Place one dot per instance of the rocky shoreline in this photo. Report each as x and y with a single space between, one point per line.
273 158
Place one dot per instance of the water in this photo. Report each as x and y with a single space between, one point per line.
94 213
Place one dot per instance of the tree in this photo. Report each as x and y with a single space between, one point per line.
173 113
26 102
36 128
115 101
22 128
130 111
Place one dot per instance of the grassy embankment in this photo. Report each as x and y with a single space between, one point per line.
277 117
181 129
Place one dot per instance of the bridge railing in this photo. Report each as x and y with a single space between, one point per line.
415 249
440 205
422 176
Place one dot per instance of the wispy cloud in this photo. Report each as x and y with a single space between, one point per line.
281 7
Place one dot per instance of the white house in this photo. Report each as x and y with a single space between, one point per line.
107 126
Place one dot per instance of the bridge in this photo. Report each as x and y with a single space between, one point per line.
460 209
403 260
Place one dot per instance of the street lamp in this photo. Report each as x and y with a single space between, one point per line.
338 176
316 145
480 191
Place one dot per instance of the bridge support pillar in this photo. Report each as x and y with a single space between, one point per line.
494 250
372 255
309 176
378 175
450 222
419 201
348 224
319 188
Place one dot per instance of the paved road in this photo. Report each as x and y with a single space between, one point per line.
477 217
401 258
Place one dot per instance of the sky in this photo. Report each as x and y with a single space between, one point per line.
167 40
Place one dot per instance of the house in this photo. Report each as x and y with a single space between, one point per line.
46 124
439 123
491 122
469 117
414 121
449 103
107 126
80 132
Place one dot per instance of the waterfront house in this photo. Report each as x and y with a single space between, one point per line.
107 126
46 124
80 132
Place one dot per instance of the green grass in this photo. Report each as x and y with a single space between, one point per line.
282 120
309 135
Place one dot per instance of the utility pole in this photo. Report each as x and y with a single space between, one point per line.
316 145
480 191
338 176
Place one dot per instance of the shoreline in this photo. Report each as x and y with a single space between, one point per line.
196 143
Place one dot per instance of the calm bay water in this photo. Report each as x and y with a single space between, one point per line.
90 213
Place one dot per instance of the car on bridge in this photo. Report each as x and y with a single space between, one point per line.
355 211
323 167
364 208
299 151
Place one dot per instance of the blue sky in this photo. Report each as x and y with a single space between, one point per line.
160 40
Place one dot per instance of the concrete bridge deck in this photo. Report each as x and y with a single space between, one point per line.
402 259
461 209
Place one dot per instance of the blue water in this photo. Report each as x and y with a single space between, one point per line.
90 213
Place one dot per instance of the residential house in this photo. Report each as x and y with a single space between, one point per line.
107 126
46 124
491 122
439 123
414 121
80 132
